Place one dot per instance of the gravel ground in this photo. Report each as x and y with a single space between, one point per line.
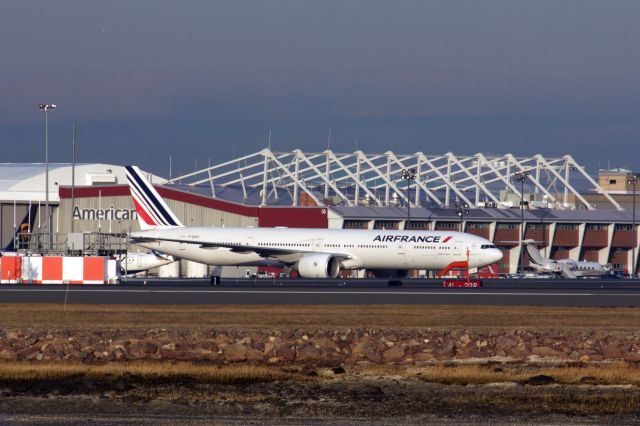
345 399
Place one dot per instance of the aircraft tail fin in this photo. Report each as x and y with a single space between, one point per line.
534 253
152 210
22 232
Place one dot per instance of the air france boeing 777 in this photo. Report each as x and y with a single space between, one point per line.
313 253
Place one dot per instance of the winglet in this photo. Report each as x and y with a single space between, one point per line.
153 212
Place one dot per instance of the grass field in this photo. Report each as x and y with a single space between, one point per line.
397 316
28 371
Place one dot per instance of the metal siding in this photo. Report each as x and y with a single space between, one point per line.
189 214
566 238
622 239
294 217
595 238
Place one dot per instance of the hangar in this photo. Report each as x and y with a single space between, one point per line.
571 213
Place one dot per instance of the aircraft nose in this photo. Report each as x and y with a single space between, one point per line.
496 255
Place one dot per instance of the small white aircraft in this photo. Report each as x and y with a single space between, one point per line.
566 267
313 253
133 263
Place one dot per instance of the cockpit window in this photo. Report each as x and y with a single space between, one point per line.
487 246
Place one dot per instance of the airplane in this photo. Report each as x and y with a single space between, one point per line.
566 267
134 263
313 253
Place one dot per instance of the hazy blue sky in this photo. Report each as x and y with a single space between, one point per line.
191 79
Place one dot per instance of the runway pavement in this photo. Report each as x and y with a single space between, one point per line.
594 293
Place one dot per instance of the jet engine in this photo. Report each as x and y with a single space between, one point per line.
318 265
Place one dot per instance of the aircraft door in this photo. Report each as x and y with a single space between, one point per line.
457 249
139 261
401 248
317 244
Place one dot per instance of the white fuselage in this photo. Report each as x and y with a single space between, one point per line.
577 268
370 249
140 262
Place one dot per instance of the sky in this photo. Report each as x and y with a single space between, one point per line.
204 81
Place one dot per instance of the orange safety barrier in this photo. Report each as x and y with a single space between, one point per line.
52 270
11 268
58 270
94 269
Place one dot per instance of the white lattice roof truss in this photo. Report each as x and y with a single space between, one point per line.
358 178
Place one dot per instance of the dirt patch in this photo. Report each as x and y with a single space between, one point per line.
353 397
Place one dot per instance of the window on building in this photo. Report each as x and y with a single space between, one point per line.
356 224
507 226
418 224
477 225
596 227
447 225
536 226
566 226
385 224
623 227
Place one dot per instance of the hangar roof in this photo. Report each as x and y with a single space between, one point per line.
26 181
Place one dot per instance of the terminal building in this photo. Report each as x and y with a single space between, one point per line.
555 201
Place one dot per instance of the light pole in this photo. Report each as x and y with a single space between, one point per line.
521 176
462 209
633 181
409 175
47 223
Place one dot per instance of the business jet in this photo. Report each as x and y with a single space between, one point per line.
134 263
565 267
313 253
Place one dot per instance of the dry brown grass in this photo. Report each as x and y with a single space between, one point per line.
604 374
478 374
321 316
609 374
27 371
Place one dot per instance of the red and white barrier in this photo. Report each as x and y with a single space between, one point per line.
58 270
10 269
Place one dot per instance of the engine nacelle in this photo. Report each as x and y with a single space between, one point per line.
318 265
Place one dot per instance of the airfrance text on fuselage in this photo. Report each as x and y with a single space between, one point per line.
410 238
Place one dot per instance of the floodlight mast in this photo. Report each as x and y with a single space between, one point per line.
522 176
633 181
47 222
409 175
462 209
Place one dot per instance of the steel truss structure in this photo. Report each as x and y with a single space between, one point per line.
358 178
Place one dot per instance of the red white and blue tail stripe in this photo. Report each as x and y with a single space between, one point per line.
153 212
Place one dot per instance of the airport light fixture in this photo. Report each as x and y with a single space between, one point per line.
522 176
409 175
47 222
633 181
462 210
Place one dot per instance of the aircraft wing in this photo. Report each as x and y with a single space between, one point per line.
568 273
287 255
